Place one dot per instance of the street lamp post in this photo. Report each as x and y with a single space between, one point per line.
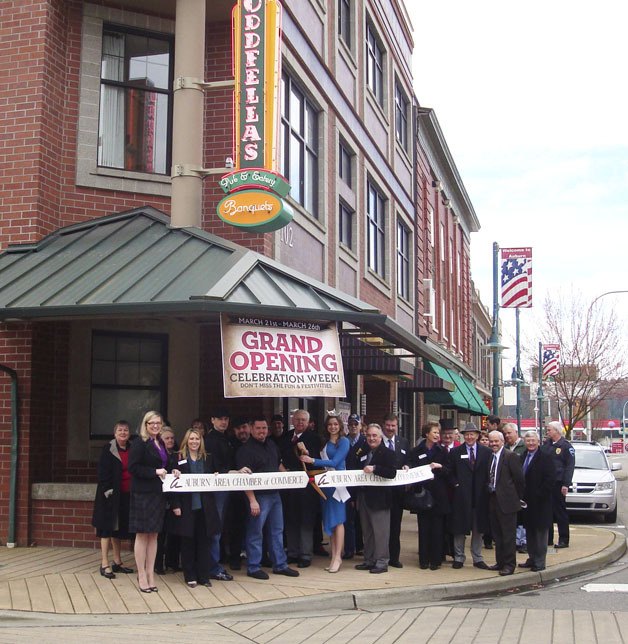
623 426
539 391
494 341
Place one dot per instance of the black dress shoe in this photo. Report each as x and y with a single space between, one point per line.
377 570
457 565
434 566
395 564
488 545
120 568
258 574
288 572
526 564
348 555
537 568
494 567
107 573
424 566
235 565
482 565
304 563
561 544
222 576
364 566
505 572
321 552
160 571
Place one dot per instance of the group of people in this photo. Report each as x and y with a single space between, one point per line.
476 490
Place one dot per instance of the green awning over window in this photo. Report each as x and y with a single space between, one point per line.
465 396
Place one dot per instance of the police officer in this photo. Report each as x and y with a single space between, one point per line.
564 457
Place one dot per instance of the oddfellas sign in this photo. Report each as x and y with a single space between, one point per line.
255 190
277 358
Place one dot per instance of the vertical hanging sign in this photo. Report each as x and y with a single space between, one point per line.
255 190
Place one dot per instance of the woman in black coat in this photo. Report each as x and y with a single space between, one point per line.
432 522
148 463
195 514
111 505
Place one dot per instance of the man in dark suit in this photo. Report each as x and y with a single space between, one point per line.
358 451
301 504
505 492
374 503
540 474
469 464
401 448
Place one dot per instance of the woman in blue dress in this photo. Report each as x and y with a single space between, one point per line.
333 457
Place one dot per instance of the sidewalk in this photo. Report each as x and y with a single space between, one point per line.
66 581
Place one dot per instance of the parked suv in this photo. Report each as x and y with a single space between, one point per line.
594 489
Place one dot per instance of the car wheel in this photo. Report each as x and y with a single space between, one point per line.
611 517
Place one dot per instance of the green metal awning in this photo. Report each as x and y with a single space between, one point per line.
135 264
465 396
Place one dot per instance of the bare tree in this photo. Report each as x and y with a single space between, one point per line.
593 357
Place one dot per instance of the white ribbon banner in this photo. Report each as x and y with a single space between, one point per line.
348 478
287 480
234 482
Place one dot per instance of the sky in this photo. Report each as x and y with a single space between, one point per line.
532 98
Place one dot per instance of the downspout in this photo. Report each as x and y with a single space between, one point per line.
14 439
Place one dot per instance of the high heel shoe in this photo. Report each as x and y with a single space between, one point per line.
105 573
118 567
334 569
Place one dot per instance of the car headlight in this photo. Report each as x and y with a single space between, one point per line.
608 485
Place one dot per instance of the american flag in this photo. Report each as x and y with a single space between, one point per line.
516 278
551 360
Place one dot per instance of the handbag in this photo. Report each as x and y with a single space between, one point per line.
418 500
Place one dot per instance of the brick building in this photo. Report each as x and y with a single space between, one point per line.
108 306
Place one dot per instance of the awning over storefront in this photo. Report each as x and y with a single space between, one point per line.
362 358
134 263
465 396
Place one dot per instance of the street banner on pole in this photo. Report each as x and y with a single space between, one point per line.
516 278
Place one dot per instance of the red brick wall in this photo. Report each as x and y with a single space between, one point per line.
63 524
15 352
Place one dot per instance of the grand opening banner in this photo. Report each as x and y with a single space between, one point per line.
265 357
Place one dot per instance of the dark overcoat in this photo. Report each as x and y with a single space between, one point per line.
539 481
439 485
470 489
184 524
106 508
510 484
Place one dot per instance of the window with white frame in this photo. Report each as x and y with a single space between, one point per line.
135 116
345 157
345 224
403 261
344 21
401 116
375 230
299 142
374 64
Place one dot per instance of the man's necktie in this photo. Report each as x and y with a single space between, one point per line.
491 479
472 457
526 463
295 439
391 445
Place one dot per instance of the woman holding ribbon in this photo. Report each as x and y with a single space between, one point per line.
333 457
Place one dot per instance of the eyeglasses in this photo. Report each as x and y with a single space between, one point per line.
154 422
